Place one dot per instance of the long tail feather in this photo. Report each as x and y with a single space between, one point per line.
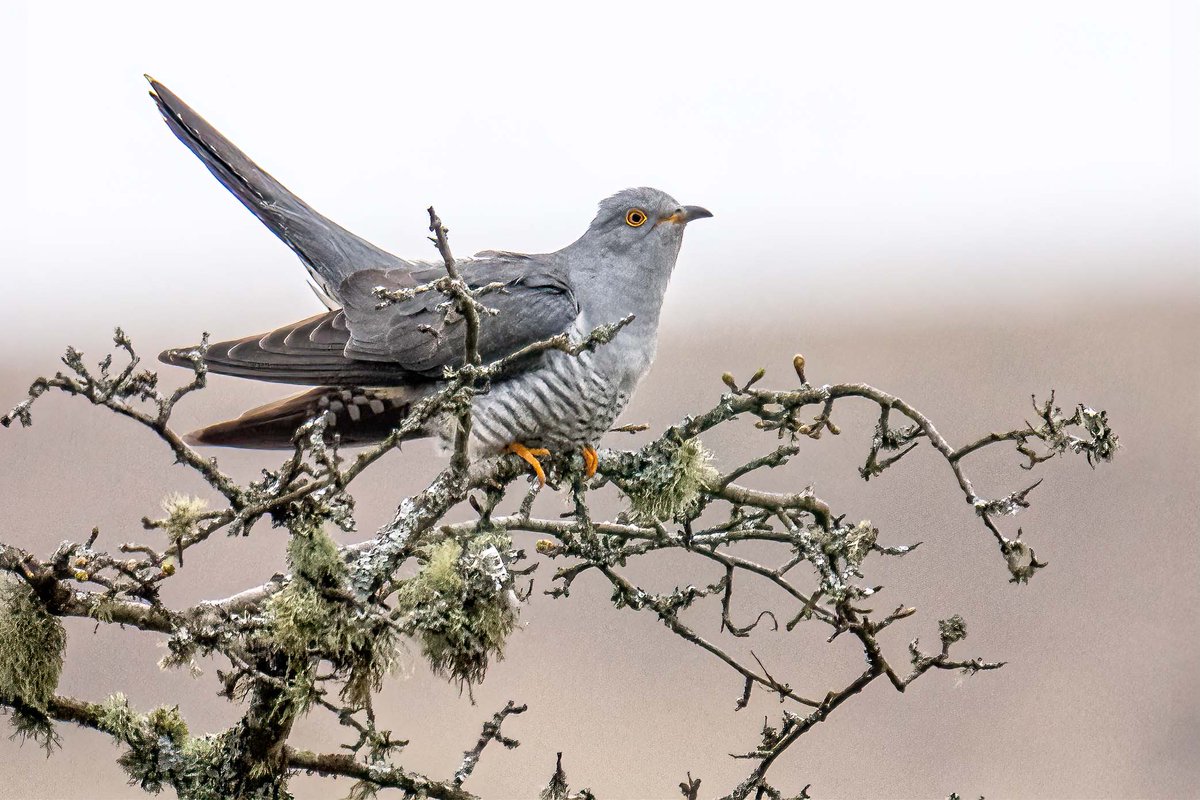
329 251
357 416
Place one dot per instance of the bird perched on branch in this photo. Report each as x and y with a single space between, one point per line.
370 361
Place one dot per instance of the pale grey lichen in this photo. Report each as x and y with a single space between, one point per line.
952 630
859 541
161 753
455 609
851 544
1098 444
671 482
1102 442
1022 563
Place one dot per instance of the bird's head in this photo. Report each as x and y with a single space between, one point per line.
640 227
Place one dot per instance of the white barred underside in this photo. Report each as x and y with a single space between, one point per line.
567 402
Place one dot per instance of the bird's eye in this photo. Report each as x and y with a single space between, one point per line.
635 218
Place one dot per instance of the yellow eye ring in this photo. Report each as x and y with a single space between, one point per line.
635 218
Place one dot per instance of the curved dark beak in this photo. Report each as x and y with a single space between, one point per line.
686 214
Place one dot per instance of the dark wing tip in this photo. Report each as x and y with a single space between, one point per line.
232 433
156 88
177 356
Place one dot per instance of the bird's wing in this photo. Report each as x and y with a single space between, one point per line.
310 352
329 252
534 302
404 343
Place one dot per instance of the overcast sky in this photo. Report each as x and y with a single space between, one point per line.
943 154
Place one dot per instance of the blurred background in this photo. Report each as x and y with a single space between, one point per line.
962 204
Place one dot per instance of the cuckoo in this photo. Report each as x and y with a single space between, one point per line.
368 364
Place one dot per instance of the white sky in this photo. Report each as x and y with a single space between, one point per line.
941 153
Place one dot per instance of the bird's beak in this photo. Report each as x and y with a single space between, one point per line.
686 214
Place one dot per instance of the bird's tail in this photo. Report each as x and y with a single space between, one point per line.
356 416
329 251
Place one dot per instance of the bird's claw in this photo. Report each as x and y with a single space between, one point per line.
590 460
530 457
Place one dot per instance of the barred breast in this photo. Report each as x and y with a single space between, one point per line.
566 402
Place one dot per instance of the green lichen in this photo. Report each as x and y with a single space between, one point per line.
671 484
29 724
117 718
314 556
166 721
161 753
455 609
154 741
101 608
31 646
316 617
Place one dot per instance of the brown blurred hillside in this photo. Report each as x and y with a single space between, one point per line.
1101 697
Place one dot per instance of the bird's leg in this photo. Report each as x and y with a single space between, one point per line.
590 460
530 458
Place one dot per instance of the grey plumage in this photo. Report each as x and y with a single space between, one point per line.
369 364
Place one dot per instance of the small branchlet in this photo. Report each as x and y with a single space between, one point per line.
491 733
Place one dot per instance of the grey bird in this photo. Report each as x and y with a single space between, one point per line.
369 364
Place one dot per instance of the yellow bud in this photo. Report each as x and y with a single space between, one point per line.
798 363
545 546
168 568
81 561
80 575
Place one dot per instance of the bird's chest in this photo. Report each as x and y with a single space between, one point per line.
566 402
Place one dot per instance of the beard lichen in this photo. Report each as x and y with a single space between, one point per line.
31 647
670 483
457 607
316 617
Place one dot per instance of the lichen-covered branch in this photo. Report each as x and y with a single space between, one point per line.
322 636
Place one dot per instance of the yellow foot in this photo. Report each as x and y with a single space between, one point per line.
530 458
590 460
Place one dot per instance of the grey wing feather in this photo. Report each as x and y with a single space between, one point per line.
536 302
310 352
405 343
329 252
